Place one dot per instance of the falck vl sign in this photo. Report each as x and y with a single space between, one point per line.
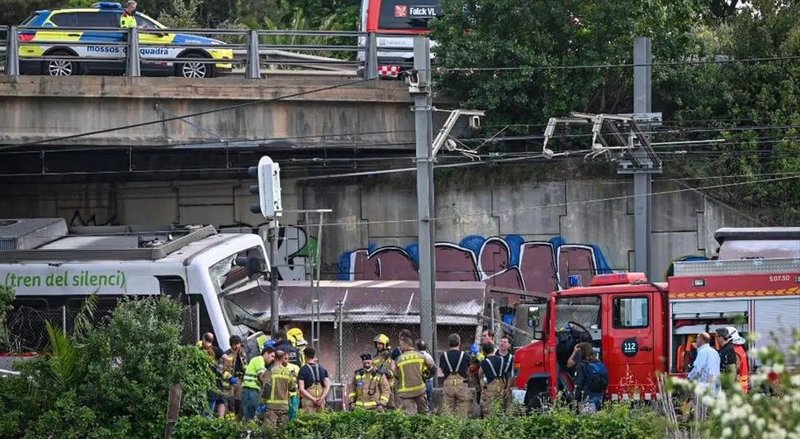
416 11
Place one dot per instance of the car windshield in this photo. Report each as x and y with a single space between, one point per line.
243 296
408 14
584 311
146 22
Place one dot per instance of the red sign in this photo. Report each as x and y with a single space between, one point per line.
401 11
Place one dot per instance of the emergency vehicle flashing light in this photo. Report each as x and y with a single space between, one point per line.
107 5
618 278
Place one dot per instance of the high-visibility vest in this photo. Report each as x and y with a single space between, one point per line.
255 367
127 21
411 367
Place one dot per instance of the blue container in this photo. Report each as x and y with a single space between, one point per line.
574 280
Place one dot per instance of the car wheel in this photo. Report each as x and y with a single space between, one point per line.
56 67
194 69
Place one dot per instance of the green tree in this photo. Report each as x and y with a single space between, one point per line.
113 381
6 299
520 48
753 104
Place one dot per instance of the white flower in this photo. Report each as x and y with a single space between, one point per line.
727 432
778 368
744 431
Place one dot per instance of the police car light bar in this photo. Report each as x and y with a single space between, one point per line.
107 5
618 278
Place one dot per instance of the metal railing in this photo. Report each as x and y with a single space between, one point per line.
251 53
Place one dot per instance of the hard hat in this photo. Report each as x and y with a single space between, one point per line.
366 356
381 338
734 337
294 334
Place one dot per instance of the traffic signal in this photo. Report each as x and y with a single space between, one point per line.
268 188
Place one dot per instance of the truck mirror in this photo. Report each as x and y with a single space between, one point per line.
533 317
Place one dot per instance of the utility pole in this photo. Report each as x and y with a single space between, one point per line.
420 89
419 86
642 176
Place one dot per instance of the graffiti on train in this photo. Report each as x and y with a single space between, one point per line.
507 262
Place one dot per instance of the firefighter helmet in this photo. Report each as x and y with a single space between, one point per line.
381 338
295 336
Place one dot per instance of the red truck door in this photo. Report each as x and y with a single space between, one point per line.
629 347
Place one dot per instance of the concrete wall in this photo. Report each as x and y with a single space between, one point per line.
383 211
373 115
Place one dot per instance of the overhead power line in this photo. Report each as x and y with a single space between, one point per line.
615 65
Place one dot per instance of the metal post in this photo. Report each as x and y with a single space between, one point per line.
420 89
317 263
12 53
253 59
340 341
134 68
64 319
371 57
492 317
273 276
642 179
197 320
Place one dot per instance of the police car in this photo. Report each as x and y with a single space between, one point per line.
157 50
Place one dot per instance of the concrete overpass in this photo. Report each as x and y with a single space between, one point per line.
322 116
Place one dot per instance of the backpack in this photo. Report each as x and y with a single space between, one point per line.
598 376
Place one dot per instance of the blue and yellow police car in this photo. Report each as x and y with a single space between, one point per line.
160 52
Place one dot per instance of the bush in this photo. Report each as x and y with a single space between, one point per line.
112 381
617 422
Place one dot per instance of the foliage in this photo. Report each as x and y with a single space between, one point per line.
769 409
182 16
6 298
618 422
753 106
534 39
111 381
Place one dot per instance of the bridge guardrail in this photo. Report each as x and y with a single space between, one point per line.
251 53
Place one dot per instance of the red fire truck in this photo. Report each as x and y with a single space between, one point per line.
640 328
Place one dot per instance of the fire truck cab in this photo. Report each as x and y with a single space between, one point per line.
640 328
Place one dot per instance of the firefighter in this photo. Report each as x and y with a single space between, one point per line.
410 371
295 337
370 388
279 384
454 365
238 358
507 368
742 362
491 377
727 357
314 383
383 363
228 382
